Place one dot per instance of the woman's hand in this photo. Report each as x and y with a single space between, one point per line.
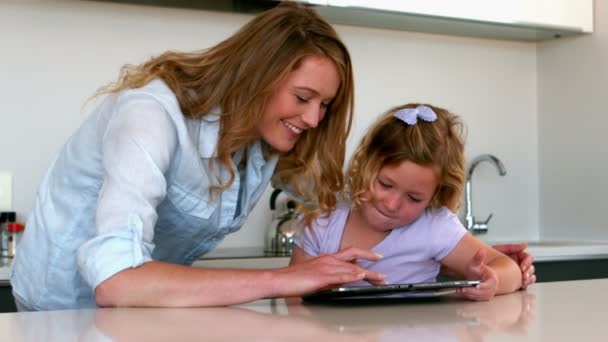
514 251
325 272
523 259
477 270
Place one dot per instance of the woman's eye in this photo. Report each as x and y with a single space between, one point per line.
324 105
301 99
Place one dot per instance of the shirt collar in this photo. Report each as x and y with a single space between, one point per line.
209 136
209 133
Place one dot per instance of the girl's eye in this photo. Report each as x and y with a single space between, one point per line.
414 199
324 105
383 184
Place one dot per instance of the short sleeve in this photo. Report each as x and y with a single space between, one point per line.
446 233
324 234
308 239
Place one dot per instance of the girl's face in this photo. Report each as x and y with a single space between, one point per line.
300 102
403 191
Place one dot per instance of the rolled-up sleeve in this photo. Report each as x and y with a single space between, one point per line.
138 145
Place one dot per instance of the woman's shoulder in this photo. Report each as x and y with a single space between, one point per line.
155 95
156 91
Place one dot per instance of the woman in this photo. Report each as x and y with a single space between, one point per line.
176 157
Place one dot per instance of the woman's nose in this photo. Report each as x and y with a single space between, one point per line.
312 116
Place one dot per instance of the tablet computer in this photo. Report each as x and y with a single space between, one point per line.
412 290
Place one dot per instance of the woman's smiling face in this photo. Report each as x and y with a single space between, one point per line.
402 192
299 102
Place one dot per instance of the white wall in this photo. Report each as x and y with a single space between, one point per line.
55 54
573 78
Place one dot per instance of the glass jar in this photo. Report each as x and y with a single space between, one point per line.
14 230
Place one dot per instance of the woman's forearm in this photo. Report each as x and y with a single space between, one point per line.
164 284
160 284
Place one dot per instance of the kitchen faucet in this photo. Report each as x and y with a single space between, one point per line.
478 227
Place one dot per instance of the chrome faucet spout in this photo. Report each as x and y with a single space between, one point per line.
489 158
471 224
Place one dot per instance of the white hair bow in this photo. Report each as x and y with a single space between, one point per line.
410 115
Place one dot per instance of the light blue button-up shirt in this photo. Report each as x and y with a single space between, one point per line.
131 186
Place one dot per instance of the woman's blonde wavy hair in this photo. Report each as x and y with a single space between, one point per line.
391 141
241 73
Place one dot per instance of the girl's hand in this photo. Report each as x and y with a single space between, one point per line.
477 270
323 272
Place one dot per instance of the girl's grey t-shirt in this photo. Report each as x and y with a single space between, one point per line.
411 253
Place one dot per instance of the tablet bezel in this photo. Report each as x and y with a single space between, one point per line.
409 290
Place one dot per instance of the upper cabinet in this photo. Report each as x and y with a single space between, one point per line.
524 20
527 20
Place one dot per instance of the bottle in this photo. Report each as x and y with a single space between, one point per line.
15 230
5 218
3 235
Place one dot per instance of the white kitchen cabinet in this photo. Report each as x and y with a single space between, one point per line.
502 19
575 14
523 20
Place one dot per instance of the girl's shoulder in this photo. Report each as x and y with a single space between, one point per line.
332 218
439 217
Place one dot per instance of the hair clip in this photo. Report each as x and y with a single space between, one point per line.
410 115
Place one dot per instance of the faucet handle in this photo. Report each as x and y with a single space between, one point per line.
480 227
488 219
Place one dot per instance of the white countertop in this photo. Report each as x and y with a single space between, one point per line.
567 250
546 250
559 311
542 251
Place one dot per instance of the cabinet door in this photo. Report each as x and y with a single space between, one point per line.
569 14
574 15
562 270
7 302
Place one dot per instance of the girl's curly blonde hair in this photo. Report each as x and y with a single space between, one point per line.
390 141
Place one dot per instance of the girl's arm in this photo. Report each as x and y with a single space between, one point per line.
472 258
161 284
298 256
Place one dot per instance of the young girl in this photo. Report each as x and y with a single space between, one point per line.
405 181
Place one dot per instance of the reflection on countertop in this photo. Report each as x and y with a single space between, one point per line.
557 311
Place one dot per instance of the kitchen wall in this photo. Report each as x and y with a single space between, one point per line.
572 115
55 54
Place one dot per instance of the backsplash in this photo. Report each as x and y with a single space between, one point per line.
76 47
